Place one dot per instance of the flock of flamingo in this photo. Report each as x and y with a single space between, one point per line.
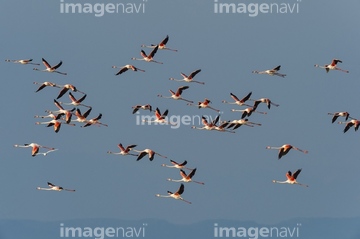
62 116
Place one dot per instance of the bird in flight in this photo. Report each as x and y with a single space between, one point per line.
177 95
332 66
291 178
50 68
161 45
283 150
189 78
35 148
23 61
126 68
148 58
53 187
186 178
124 151
271 72
176 195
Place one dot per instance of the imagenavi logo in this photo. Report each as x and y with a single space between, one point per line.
99 9
254 9
256 232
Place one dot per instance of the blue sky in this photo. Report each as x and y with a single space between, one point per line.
236 168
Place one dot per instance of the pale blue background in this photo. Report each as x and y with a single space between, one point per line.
236 168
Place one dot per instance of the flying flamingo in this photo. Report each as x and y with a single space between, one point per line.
222 127
35 148
248 111
266 101
81 118
204 104
44 84
50 115
125 68
176 195
291 178
189 78
186 178
283 150
159 118
94 121
143 107
207 125
271 72
237 123
332 66
162 45
352 123
62 111
50 68
23 61
177 95
75 102
342 114
56 123
65 89
176 165
124 151
149 152
237 100
148 58
53 187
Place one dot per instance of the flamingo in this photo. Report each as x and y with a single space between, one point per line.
148 58
65 89
237 100
149 152
162 45
186 178
56 123
124 151
62 111
143 107
266 101
125 68
204 104
237 123
222 127
50 115
50 68
271 72
177 95
75 102
189 78
352 123
248 111
94 121
159 118
176 195
207 125
53 187
342 114
291 178
176 165
23 61
283 150
44 84
81 118
332 66
35 148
